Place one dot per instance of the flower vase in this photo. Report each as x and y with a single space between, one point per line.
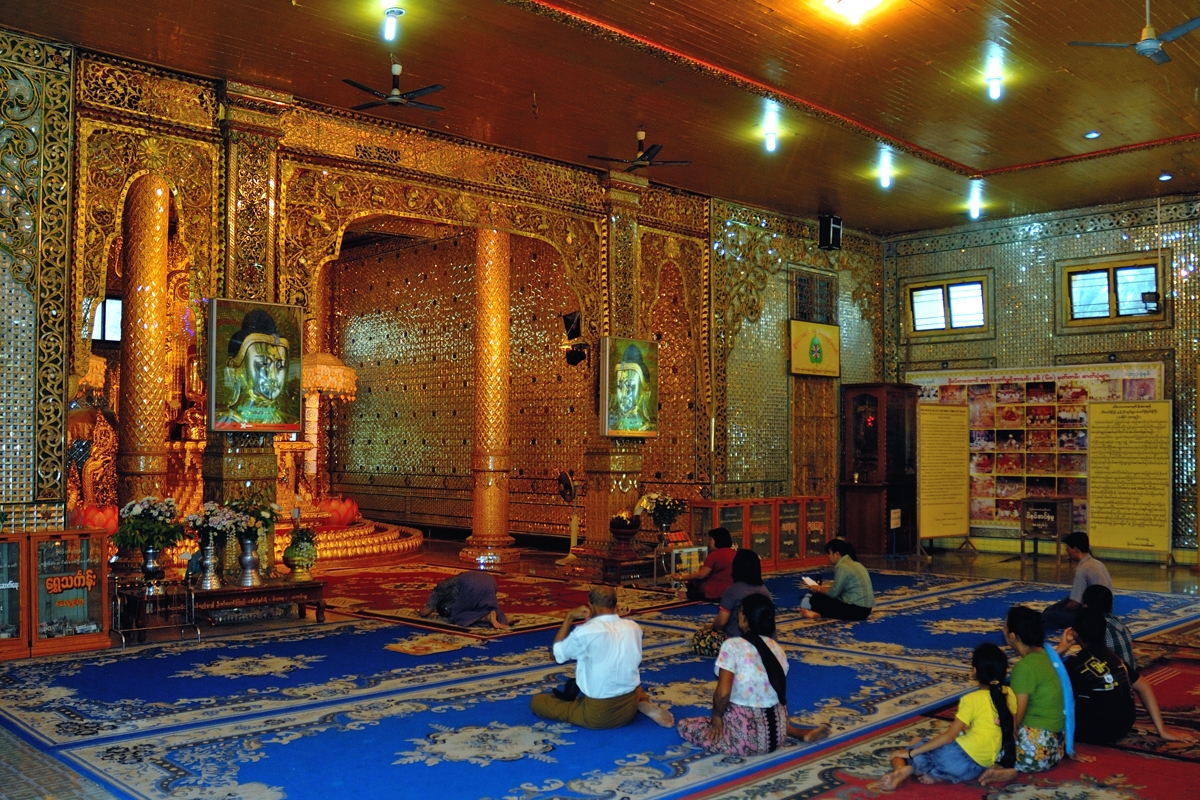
249 563
210 579
152 571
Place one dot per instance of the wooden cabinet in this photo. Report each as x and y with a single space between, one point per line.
784 531
53 592
879 467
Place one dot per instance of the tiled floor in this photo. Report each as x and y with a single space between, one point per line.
27 774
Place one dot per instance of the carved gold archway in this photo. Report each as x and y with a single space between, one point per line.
109 158
318 203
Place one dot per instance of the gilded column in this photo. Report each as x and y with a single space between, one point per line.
142 434
614 466
237 463
490 455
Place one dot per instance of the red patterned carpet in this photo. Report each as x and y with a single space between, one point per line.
530 602
853 773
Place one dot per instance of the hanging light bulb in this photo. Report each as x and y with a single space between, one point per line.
995 76
771 126
391 23
885 168
975 201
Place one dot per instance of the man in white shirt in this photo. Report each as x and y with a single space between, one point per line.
608 651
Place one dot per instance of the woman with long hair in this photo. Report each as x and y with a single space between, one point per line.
980 735
747 580
1040 718
749 713
851 596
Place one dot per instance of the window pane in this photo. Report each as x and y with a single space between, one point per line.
112 320
929 314
966 305
1089 294
98 323
1131 283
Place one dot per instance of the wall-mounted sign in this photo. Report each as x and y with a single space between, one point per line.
816 349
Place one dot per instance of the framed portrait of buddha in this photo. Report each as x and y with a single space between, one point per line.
628 387
254 366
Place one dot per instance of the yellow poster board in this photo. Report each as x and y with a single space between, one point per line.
943 482
816 349
1129 483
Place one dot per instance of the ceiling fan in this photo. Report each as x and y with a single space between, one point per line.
645 156
1150 44
395 97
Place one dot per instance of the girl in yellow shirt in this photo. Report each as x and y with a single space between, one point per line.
982 731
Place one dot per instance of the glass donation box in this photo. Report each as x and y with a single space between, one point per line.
53 592
785 531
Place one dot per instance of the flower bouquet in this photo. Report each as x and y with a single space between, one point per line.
218 522
262 512
257 541
663 508
148 523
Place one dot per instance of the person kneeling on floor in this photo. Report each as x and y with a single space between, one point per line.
607 651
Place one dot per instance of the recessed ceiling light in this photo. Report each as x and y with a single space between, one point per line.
885 168
1166 176
1092 135
852 10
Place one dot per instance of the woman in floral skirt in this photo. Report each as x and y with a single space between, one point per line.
749 715
1040 719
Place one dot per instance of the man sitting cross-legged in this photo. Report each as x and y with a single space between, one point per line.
608 651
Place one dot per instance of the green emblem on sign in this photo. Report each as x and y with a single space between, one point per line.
815 353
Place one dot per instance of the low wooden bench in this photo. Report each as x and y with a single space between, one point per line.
273 591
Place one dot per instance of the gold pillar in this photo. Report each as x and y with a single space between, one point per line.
237 463
142 433
613 465
490 455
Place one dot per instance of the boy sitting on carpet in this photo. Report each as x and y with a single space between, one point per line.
982 731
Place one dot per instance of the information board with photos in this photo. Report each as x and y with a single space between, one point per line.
1029 429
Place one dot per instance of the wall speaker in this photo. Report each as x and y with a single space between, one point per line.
829 232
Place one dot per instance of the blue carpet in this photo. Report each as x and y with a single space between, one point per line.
378 710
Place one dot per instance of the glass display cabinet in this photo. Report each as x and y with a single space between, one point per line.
14 602
786 532
53 592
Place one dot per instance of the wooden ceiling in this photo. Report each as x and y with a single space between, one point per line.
568 78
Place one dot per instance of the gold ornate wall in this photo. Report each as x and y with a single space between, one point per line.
403 319
35 85
132 121
630 256
759 449
1020 254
